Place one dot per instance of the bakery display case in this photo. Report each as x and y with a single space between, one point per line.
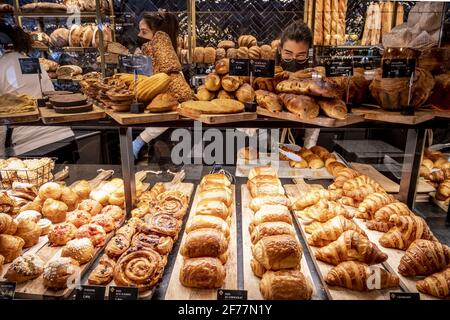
268 218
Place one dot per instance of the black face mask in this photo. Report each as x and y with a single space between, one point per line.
294 65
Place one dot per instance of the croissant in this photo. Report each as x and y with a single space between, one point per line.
372 203
351 246
385 213
423 258
285 285
406 230
359 276
323 211
360 181
360 193
437 285
7 224
440 176
306 200
380 226
344 175
329 231
443 191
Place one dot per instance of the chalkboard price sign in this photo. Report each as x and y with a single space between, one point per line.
30 65
239 67
262 68
398 68
339 68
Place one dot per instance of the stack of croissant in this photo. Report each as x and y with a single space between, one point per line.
144 242
276 250
205 246
339 240
441 180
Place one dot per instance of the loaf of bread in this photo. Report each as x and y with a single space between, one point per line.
232 53
222 66
266 52
231 83
268 100
60 37
226 44
203 94
221 53
245 93
199 55
222 94
179 88
212 82
209 55
254 52
247 41
303 106
333 108
164 56
242 53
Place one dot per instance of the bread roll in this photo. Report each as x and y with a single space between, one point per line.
212 82
245 93
217 194
262 171
222 66
268 100
208 222
273 228
215 208
303 106
231 83
204 243
203 94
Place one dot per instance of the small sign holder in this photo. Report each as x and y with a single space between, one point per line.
224 294
7 290
402 68
123 293
32 66
135 63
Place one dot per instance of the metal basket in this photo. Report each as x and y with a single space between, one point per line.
37 176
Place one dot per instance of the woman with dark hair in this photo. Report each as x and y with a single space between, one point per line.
295 42
17 44
151 23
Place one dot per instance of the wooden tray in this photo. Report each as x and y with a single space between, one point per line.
127 118
441 113
186 188
393 261
319 121
387 184
176 291
251 282
20 117
393 116
49 116
333 292
218 118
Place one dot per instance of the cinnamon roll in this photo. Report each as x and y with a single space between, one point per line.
171 203
103 272
141 268
161 224
162 245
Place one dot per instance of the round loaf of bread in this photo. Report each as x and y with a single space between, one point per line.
222 66
242 53
266 52
220 53
75 35
254 52
247 41
88 35
60 37
226 44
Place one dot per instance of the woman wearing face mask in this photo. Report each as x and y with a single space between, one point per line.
148 26
25 139
292 55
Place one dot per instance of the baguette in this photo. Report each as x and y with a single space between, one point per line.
318 24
